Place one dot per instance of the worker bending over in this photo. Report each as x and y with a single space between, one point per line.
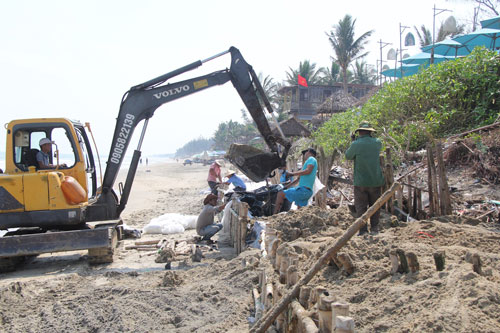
307 175
214 174
238 183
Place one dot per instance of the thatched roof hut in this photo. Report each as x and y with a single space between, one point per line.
368 95
339 101
292 127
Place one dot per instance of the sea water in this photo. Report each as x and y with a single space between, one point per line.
155 159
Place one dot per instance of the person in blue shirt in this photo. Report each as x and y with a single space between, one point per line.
307 175
238 183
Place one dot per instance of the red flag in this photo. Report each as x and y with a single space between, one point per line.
302 81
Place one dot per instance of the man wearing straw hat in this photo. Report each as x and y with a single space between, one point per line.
368 177
205 225
238 183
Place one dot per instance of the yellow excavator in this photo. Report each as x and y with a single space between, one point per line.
64 208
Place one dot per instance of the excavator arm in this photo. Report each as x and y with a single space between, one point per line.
140 103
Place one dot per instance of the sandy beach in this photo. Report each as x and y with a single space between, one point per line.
63 293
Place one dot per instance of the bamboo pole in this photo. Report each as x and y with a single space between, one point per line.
410 197
257 303
242 221
445 201
495 124
306 324
262 286
344 324
339 309
148 242
304 295
325 312
382 167
389 180
431 171
263 324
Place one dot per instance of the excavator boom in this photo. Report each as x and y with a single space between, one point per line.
142 100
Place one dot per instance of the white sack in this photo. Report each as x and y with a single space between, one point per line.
225 233
317 186
170 223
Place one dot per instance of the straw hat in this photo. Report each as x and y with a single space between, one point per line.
229 173
219 162
365 126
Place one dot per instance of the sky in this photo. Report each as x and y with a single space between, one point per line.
76 59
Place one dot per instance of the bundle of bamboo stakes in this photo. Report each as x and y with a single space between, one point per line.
437 187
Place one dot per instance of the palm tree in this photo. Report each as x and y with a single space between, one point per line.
332 75
346 47
426 37
362 73
307 70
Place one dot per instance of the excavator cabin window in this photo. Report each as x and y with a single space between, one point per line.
26 147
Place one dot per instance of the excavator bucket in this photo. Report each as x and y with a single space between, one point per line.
254 163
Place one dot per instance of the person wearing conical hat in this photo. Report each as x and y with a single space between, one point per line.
368 178
238 183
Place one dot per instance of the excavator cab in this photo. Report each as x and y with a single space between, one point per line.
35 197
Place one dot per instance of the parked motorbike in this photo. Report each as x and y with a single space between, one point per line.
262 201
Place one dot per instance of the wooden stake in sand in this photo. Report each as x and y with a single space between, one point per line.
266 321
439 260
306 324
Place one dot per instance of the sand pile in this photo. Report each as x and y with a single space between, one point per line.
456 299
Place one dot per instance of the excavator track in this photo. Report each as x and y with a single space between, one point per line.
104 255
10 264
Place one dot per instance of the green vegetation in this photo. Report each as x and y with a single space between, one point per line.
444 99
234 132
194 147
347 48
308 71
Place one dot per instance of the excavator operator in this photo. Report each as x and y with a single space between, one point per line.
43 157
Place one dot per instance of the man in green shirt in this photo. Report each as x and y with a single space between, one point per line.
368 178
